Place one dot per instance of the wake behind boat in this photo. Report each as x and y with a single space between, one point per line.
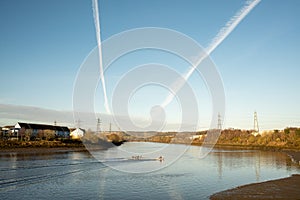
133 158
141 158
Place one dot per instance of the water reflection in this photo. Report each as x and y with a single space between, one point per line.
78 175
257 168
249 160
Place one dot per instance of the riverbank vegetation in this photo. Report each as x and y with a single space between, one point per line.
289 138
42 140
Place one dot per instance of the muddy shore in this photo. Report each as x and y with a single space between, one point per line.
39 150
285 188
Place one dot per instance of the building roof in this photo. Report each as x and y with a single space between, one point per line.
73 129
43 127
77 133
8 126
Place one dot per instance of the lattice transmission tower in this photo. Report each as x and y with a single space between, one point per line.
219 122
255 127
98 125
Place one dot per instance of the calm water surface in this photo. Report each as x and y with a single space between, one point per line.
78 175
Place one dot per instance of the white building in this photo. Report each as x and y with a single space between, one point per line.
77 133
196 137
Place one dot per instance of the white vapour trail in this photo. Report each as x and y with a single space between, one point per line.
232 24
220 37
98 36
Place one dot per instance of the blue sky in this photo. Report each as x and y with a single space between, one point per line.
43 44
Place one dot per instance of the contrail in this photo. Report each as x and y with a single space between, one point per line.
223 33
98 36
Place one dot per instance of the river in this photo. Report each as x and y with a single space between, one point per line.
78 175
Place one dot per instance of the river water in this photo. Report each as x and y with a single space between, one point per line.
78 175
